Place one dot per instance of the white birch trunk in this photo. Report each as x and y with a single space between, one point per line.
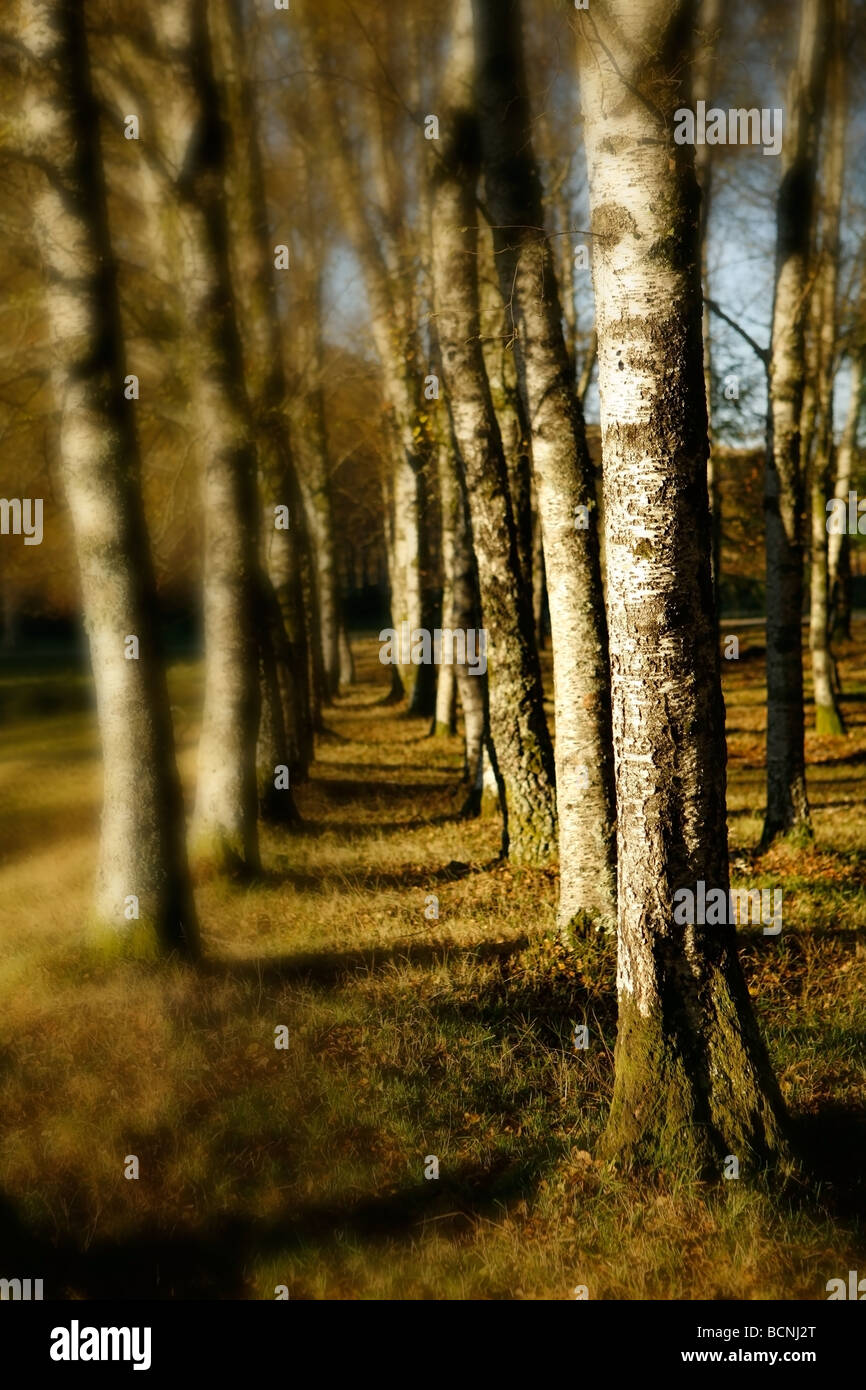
564 478
692 1081
828 714
784 489
516 707
143 892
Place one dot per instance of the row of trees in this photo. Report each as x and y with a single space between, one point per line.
488 481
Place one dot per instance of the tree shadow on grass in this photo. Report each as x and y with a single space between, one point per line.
369 879
215 1262
343 791
326 968
361 829
832 1143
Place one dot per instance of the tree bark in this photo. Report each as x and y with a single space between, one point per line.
784 500
517 722
692 1081
463 615
143 890
564 477
704 71
839 546
497 339
825 681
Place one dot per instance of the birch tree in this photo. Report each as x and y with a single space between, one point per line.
564 476
390 291
692 1081
784 487
517 724
286 548
704 73
143 891
828 715
838 543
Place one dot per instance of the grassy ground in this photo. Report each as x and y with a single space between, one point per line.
410 1037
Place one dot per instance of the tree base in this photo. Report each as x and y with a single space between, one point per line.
139 940
694 1089
829 721
214 853
585 924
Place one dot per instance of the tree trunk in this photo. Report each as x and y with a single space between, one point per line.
287 550
315 475
275 751
517 723
540 613
497 337
461 616
564 477
839 546
704 71
692 1081
143 891
225 821
825 681
347 662
445 718
784 501
403 376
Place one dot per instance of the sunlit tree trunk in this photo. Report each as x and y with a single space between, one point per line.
517 722
564 476
143 891
692 1081
828 715
784 500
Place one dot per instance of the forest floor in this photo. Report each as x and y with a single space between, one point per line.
409 1037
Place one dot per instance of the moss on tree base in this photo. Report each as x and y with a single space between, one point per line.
690 1092
829 722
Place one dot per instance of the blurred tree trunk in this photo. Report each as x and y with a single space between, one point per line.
784 500
692 1080
828 715
288 620
394 333
143 891
347 662
276 747
445 718
564 476
517 721
315 474
226 799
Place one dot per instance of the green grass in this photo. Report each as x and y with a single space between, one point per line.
408 1037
